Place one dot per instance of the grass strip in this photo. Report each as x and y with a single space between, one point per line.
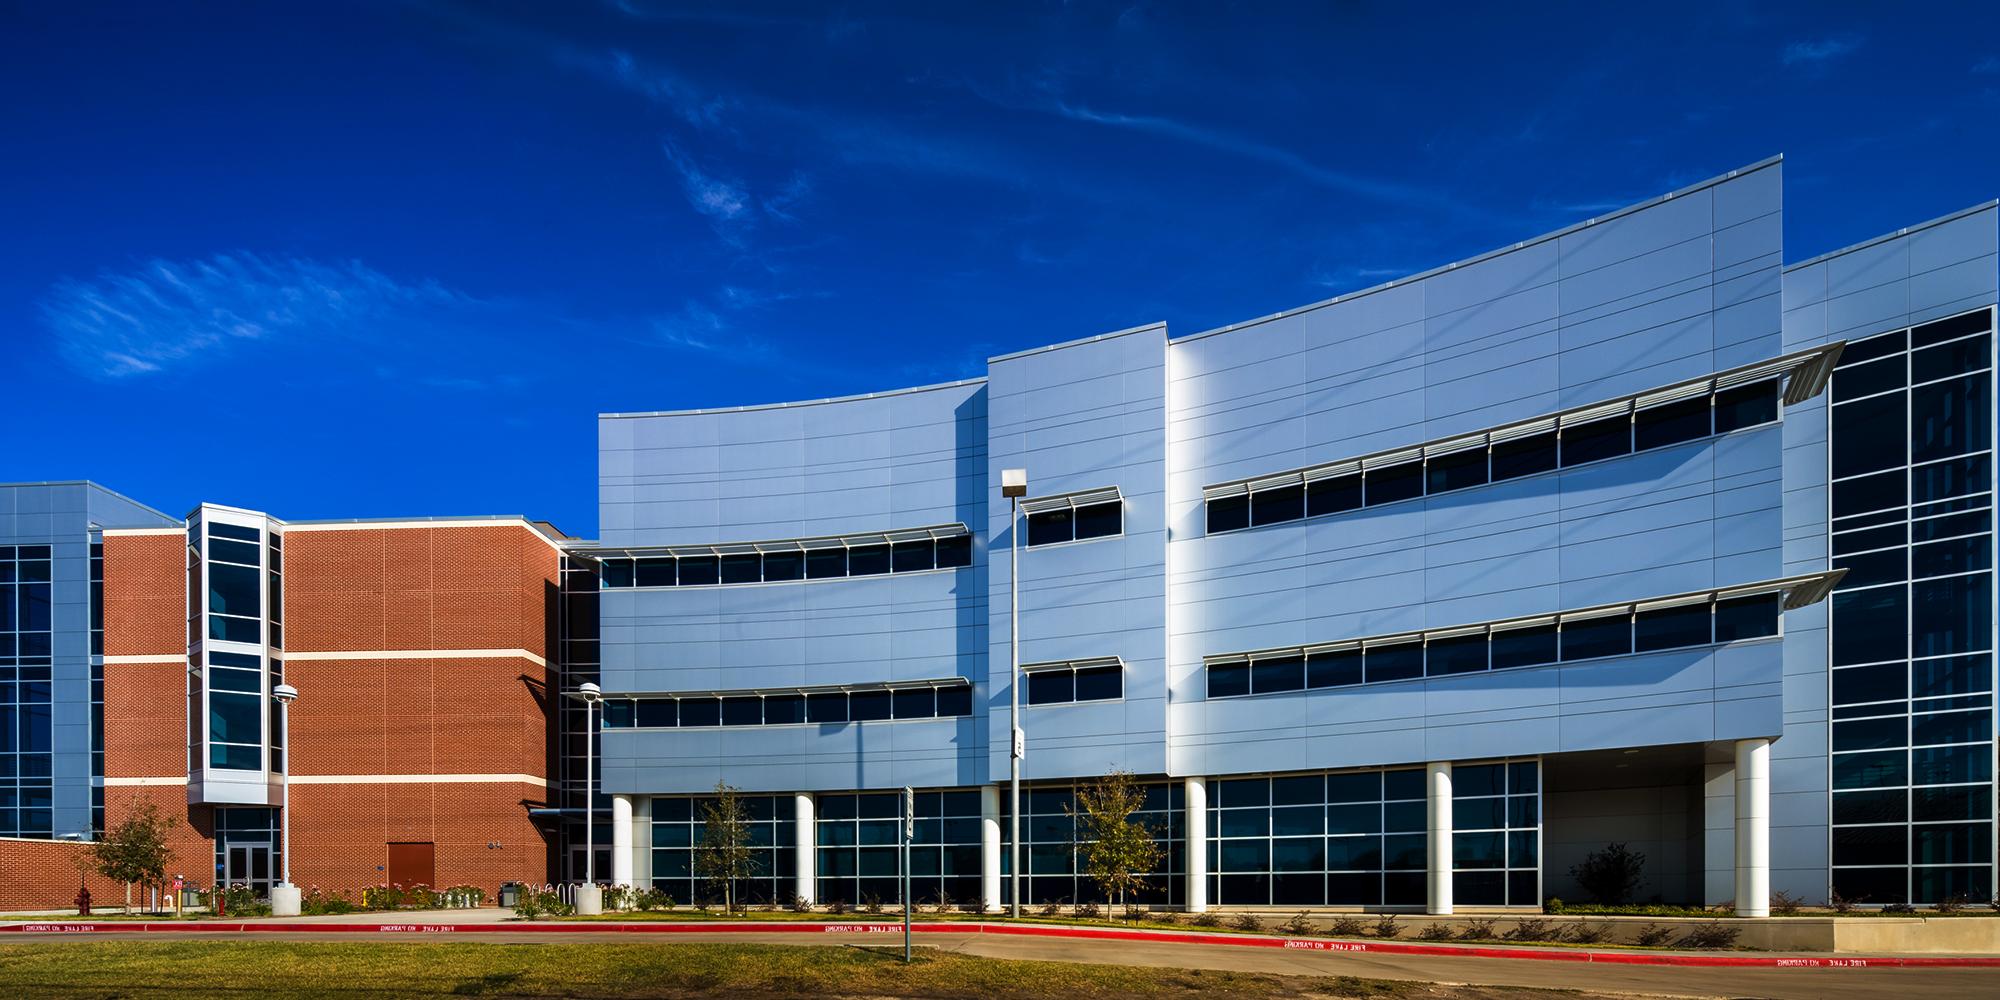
238 970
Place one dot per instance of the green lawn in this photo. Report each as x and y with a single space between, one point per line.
242 970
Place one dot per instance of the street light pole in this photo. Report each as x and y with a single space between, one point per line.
285 897
589 901
1014 485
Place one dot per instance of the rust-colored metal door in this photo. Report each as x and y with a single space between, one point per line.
413 864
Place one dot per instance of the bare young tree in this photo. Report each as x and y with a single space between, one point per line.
134 851
724 854
1117 850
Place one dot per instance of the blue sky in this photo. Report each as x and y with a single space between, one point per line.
359 259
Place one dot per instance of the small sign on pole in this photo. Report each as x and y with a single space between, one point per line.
909 831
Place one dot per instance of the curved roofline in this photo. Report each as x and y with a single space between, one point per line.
1524 244
1078 342
1898 234
981 380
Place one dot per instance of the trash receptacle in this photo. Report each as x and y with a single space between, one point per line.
510 893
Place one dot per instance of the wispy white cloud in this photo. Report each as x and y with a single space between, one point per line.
660 86
1818 51
721 200
165 313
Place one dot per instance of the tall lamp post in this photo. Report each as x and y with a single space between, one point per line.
285 898
1014 486
589 898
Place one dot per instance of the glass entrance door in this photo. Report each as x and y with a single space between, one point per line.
249 864
602 868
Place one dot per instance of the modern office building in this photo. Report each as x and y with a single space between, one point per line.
1412 598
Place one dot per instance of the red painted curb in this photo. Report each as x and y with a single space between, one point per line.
1033 930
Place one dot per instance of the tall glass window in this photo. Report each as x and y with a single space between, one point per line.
1052 846
677 831
26 639
1912 807
857 843
1496 834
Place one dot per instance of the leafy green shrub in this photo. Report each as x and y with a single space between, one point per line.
534 904
316 903
1611 875
1713 934
1554 904
1653 935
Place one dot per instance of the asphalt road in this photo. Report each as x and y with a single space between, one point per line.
1778 984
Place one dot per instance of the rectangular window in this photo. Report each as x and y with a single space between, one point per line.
1394 662
655 713
867 706
1746 618
743 711
1393 483
919 703
1456 471
828 707
1100 520
784 709
1596 440
1456 655
1590 638
1051 687
1671 423
954 700
1524 456
867 560
1227 680
699 712
1277 673
1279 503
655 572
824 563
1524 647
741 568
787 565
913 557
1105 683
1050 527
1746 406
1333 669
699 571
1333 495
1671 628
954 551
1230 513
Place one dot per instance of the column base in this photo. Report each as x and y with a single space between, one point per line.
589 900
285 900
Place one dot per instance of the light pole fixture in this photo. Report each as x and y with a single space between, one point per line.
589 899
1014 486
288 899
591 694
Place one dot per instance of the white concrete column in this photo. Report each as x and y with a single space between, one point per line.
621 840
642 841
989 848
1718 832
1196 821
1437 823
1753 828
804 838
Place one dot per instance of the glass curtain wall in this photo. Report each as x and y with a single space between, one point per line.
1052 847
26 641
1912 627
677 833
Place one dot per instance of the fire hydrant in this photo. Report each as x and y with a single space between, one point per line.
220 906
82 900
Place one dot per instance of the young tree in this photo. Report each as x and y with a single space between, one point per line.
1118 848
134 851
724 854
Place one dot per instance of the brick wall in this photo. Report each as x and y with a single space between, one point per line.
145 594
